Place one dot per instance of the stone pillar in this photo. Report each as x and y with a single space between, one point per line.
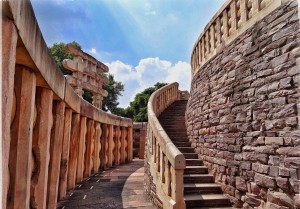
9 43
55 153
21 139
40 147
142 143
81 150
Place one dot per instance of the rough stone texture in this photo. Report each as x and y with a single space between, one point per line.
243 113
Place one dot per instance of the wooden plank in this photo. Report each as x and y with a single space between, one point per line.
73 151
40 147
65 155
55 153
21 140
9 43
81 150
98 133
88 153
130 144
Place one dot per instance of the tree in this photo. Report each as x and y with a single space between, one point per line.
137 109
114 88
59 53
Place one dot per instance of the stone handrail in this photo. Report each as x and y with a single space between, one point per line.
167 163
51 138
234 17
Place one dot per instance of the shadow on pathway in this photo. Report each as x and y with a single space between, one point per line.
119 187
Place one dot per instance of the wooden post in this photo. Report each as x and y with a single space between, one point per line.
122 157
73 151
9 43
55 153
21 140
40 147
65 155
97 149
81 150
130 144
88 152
110 144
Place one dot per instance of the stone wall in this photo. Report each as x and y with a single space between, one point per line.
243 113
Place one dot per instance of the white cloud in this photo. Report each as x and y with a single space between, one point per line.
93 51
148 72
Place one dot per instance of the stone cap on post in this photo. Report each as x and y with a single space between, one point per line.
88 74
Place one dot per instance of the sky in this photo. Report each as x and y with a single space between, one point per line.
141 41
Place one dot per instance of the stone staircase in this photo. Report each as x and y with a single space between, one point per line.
200 189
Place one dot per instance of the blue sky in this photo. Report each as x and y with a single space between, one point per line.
141 41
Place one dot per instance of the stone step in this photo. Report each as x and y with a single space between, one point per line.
206 200
195 169
190 155
198 178
186 149
193 161
203 188
182 144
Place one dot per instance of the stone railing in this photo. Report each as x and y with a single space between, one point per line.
166 162
234 17
51 138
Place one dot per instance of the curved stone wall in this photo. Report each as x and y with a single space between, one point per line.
243 113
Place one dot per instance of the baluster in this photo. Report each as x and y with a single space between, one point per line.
177 187
243 11
21 139
203 48
122 145
250 9
255 7
163 179
155 150
225 24
218 31
97 151
233 11
103 146
107 146
55 152
212 37
113 149
88 153
65 155
200 54
81 149
118 143
40 147
9 43
168 177
110 144
73 150
158 157
125 144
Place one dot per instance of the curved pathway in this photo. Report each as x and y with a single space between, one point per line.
119 187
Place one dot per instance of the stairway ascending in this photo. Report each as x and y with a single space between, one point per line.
200 189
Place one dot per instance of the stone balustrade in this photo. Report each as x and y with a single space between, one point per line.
51 138
232 19
166 162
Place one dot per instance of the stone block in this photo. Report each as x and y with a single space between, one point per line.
282 183
240 184
274 170
284 172
252 200
254 188
270 205
274 140
285 83
264 181
280 199
273 160
260 168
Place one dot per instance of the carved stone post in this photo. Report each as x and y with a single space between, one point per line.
9 43
81 150
21 139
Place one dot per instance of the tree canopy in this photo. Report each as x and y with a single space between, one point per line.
137 110
114 88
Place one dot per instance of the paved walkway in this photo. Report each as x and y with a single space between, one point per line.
119 187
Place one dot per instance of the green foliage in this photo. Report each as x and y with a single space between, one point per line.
114 89
59 53
137 109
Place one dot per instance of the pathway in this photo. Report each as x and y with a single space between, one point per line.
119 187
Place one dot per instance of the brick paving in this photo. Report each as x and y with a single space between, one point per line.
118 187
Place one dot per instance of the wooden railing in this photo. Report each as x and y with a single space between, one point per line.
51 138
234 18
167 163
